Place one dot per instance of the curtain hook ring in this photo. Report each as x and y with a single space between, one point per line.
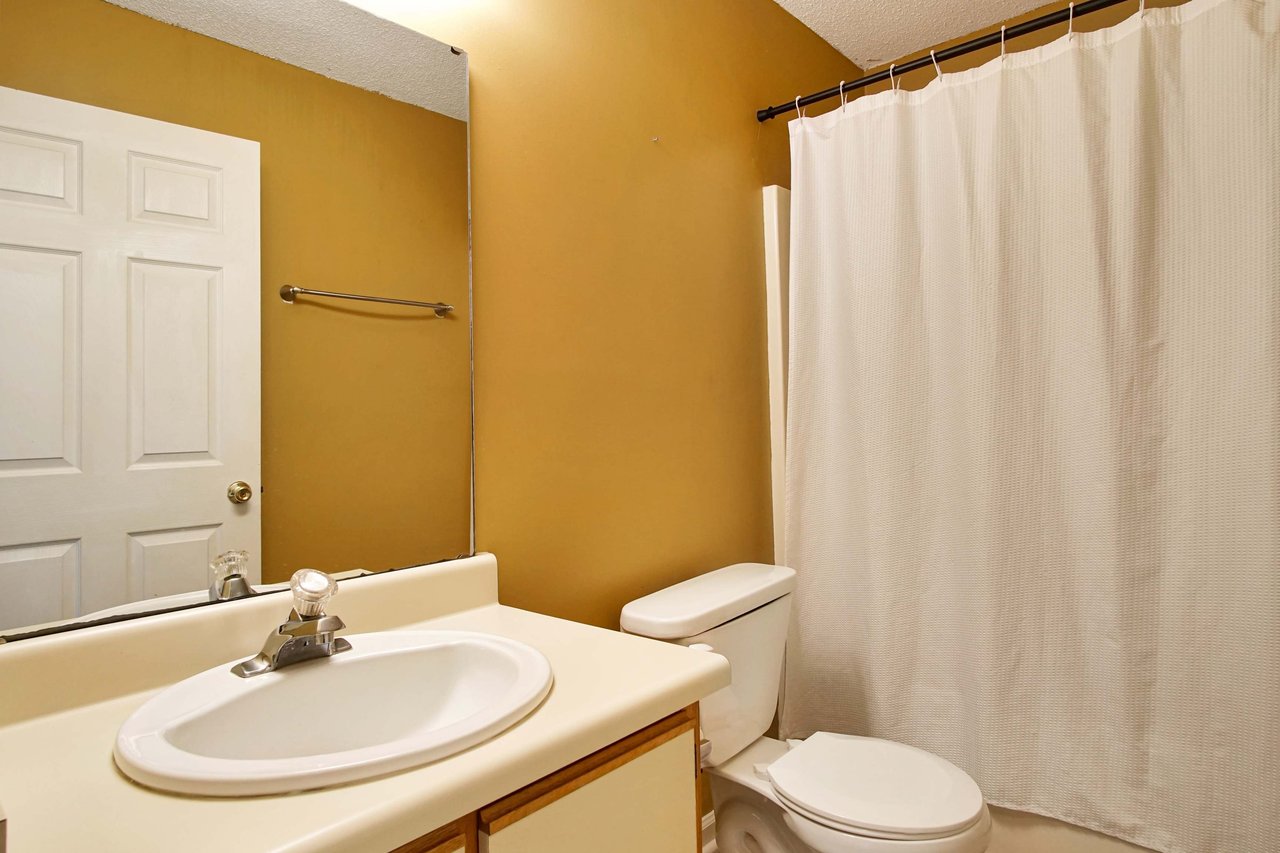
933 54
893 84
843 102
1142 7
799 112
1002 54
1071 18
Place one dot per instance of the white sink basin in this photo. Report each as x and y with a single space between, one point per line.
395 700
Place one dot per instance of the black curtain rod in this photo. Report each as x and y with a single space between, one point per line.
989 40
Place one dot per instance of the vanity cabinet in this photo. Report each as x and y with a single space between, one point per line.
457 837
638 795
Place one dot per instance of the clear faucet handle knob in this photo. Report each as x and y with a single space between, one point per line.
228 563
312 590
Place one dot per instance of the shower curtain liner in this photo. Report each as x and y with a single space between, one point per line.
1033 464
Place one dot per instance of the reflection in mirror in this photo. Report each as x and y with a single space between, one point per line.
160 403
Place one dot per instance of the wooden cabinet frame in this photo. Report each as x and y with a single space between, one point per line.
459 835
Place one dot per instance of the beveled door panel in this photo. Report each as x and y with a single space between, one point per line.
39 581
40 352
167 562
174 192
173 342
40 170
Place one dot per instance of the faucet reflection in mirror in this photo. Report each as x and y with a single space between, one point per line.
229 576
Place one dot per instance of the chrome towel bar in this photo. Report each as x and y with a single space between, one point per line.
291 292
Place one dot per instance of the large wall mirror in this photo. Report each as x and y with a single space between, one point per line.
167 169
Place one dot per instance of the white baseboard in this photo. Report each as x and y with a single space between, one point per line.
709 833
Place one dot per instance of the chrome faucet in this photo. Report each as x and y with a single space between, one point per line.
307 634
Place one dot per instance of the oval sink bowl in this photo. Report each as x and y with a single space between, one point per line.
396 700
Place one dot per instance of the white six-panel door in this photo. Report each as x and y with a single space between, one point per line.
129 356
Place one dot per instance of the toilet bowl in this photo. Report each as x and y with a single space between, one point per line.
754 816
829 793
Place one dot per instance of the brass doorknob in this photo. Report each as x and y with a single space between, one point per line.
239 492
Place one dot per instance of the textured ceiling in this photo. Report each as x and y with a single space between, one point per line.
874 32
331 38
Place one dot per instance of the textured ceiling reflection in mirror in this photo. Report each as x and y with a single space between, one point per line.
331 38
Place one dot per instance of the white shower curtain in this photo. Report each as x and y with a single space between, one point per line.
1033 467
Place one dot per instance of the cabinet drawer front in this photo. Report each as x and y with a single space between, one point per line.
647 805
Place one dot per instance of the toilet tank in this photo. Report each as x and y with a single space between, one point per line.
741 612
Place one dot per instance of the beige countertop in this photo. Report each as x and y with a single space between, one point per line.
61 790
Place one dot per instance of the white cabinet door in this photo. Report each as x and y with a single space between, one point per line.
129 355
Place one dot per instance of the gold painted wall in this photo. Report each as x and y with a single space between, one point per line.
622 416
366 422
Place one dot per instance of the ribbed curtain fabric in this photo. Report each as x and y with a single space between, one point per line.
1033 464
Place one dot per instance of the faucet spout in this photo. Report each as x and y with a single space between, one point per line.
307 634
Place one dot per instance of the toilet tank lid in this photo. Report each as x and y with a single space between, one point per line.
701 603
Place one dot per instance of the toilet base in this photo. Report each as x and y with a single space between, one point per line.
750 820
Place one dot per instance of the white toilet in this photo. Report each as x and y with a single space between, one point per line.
829 793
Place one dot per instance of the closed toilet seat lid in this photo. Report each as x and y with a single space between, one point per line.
869 786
